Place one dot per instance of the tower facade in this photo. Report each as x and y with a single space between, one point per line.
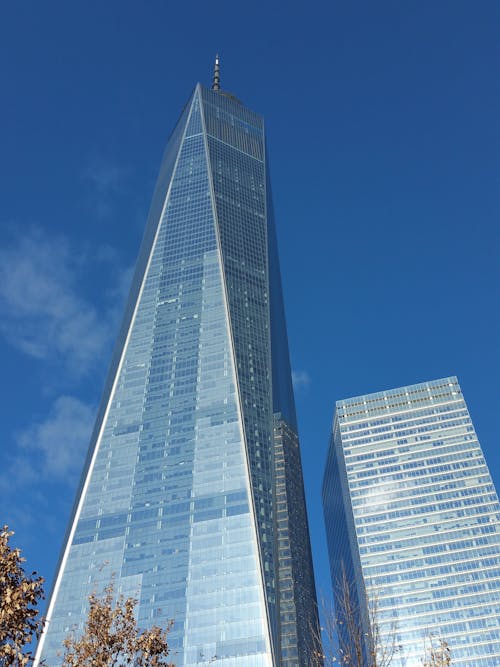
178 499
413 520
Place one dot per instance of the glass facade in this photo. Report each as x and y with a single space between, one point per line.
412 514
177 499
298 619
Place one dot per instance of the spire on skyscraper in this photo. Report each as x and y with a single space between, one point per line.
192 423
216 79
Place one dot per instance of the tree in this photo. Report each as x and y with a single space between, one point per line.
360 646
19 596
345 639
437 654
111 637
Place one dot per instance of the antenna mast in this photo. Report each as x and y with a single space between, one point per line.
216 80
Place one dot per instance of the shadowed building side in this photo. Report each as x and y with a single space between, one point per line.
298 607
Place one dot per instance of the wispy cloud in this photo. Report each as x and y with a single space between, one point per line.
57 443
117 293
106 180
43 312
301 380
44 463
48 315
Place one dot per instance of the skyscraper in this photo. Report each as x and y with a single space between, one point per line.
178 498
413 518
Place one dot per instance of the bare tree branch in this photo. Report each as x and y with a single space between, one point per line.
437 653
349 639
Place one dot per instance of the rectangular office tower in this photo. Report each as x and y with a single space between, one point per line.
179 498
413 520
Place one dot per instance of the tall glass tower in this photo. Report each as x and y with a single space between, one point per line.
413 518
193 467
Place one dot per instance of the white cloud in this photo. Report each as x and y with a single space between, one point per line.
47 315
301 380
55 447
49 452
106 180
117 295
43 312
105 176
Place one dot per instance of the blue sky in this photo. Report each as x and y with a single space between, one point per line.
382 123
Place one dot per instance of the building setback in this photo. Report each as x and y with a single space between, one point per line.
413 519
177 501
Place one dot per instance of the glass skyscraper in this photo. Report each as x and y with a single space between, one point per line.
413 518
194 468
